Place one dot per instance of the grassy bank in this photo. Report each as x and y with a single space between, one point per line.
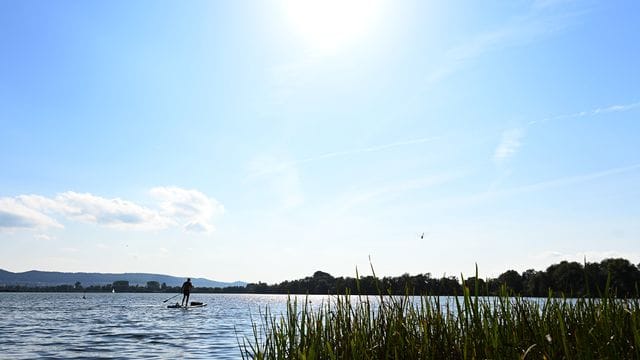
466 327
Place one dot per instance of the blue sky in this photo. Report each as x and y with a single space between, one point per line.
266 140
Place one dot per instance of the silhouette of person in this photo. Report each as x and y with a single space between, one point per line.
186 290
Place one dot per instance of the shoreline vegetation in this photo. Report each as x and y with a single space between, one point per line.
564 279
466 327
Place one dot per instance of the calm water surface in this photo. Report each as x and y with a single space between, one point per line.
63 325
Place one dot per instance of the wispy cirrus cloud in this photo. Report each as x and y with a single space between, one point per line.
511 140
520 30
284 178
589 113
358 198
368 149
569 180
189 208
264 165
510 143
466 200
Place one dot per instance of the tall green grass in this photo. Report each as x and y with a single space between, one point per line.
465 327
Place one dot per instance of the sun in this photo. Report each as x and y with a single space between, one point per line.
328 26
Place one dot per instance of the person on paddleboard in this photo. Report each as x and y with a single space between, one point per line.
186 290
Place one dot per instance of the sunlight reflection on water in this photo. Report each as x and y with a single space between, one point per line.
63 325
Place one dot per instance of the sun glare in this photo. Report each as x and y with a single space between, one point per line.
328 26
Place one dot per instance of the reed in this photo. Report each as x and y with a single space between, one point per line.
465 327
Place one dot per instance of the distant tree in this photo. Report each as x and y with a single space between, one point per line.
528 284
536 283
624 276
153 285
449 286
121 285
595 279
512 280
493 286
474 283
322 283
259 288
567 277
78 285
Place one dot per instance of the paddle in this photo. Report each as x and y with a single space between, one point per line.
171 298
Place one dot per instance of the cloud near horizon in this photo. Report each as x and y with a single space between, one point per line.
188 208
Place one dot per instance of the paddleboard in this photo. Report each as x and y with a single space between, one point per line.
178 306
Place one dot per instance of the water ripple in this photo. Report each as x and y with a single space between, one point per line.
122 326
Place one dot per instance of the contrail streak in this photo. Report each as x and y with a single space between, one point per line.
328 155
598 111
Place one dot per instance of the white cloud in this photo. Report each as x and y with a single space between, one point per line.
193 209
42 203
43 237
16 215
189 208
116 213
89 208
509 145
198 227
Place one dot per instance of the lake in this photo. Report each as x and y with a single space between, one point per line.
138 325
128 325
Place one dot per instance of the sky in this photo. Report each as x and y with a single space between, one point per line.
266 140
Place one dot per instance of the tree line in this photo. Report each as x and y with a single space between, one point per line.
617 277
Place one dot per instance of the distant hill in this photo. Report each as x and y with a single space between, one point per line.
52 278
